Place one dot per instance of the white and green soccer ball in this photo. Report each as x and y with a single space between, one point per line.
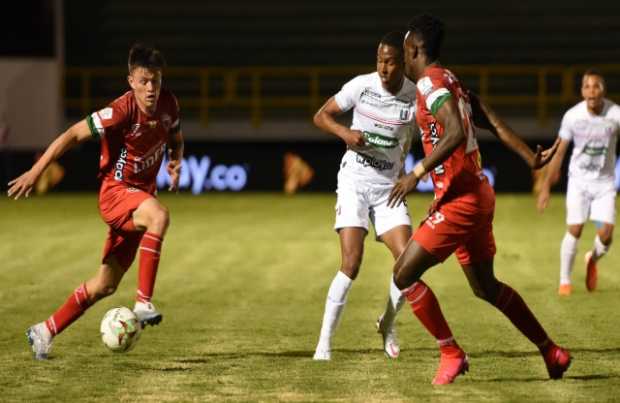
120 329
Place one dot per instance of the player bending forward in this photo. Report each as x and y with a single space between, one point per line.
461 216
593 126
383 125
134 131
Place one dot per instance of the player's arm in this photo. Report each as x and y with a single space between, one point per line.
78 133
485 117
552 174
325 119
176 146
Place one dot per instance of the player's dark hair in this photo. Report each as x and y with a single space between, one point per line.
593 72
395 40
430 30
141 55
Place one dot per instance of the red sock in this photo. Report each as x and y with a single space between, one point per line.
150 248
73 308
426 307
512 305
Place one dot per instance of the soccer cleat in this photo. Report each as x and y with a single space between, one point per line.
323 353
591 273
557 361
391 348
40 340
450 367
565 290
147 314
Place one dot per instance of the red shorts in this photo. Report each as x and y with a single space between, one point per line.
117 202
460 227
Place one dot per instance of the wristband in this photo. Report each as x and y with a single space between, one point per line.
419 171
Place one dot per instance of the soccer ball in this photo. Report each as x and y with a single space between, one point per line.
120 329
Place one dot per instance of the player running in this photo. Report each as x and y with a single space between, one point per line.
460 218
593 126
383 124
134 131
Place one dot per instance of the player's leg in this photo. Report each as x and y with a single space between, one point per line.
152 218
396 240
409 268
485 285
577 207
104 283
568 251
352 249
603 211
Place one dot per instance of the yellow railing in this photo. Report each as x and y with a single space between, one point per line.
257 100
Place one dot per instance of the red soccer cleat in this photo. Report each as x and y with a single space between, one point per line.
591 272
451 366
557 360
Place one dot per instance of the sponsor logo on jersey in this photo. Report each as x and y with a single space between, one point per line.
434 137
384 127
370 161
379 140
150 159
120 164
370 93
106 113
425 86
593 150
404 114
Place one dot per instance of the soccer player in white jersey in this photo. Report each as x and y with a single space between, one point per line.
378 140
593 126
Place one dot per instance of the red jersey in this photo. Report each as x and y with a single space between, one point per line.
132 143
460 174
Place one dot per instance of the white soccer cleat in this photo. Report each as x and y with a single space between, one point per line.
40 340
147 314
323 353
391 348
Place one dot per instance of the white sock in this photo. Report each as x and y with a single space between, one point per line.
394 303
568 250
600 249
334 305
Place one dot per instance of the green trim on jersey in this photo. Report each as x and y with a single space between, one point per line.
439 102
91 125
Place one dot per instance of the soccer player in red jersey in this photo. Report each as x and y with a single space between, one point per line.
460 218
135 130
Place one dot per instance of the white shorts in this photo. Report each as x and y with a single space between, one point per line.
590 199
359 202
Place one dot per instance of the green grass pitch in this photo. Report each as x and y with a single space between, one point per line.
242 283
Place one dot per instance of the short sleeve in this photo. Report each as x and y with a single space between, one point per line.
348 95
106 119
433 92
566 131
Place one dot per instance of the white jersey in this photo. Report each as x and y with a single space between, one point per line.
594 141
388 124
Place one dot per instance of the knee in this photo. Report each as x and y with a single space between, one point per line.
351 265
160 219
487 291
575 230
606 237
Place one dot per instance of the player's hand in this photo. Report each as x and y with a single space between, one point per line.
542 157
355 139
22 185
403 187
543 199
174 170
